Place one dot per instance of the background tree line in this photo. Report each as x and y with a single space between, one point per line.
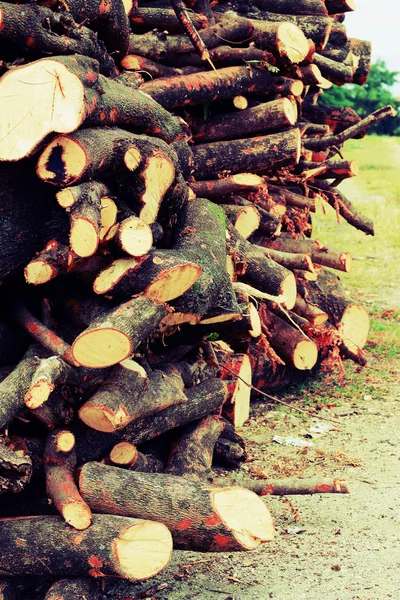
374 94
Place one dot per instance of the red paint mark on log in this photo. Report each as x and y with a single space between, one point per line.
90 76
268 490
1 19
94 561
222 540
105 7
77 539
95 573
30 42
137 19
213 520
184 525
322 487
114 114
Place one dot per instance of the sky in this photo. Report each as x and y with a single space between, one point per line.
378 22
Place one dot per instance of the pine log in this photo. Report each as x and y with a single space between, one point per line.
292 345
129 394
253 154
159 46
200 88
192 449
198 517
151 165
290 198
203 399
126 456
32 28
162 275
236 371
246 219
117 546
289 260
320 254
60 462
269 224
262 273
14 387
76 95
52 372
223 56
269 116
200 232
111 24
163 19
338 118
234 184
72 589
290 486
308 311
55 259
293 7
318 28
363 51
114 336
15 469
349 317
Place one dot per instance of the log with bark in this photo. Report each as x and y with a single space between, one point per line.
161 165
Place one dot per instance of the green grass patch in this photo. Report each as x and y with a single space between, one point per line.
376 193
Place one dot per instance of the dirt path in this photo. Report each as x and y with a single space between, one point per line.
344 547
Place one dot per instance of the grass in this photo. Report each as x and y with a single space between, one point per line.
375 275
376 192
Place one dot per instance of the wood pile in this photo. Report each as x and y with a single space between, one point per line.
161 164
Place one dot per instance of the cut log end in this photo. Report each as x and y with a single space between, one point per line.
84 238
305 355
123 454
246 515
39 393
173 282
28 104
62 162
255 321
135 236
143 550
132 158
109 212
78 515
101 347
38 272
292 43
354 327
222 318
65 441
289 290
158 176
102 419
248 221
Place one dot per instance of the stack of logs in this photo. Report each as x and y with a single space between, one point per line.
161 164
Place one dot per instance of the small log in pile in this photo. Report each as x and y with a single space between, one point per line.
161 163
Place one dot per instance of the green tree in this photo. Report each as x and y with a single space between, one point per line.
374 94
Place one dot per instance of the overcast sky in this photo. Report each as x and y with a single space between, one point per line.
378 22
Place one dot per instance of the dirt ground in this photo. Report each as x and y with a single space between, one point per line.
330 547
